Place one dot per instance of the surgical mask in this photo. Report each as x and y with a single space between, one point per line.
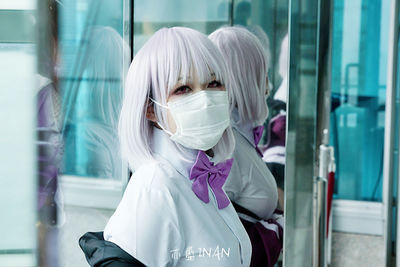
200 119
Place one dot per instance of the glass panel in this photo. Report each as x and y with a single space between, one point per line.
301 133
359 64
272 32
205 16
17 150
268 20
94 58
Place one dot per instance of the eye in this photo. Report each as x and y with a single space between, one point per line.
184 89
214 84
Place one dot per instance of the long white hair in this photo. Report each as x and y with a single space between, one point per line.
170 54
264 39
247 68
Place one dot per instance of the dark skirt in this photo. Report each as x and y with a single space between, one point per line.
266 243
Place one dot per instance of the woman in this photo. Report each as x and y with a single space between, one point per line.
251 186
174 132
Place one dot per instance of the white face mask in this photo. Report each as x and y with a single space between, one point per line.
200 119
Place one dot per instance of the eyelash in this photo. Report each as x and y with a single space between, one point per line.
182 89
216 83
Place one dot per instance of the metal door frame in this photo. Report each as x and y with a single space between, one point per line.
389 177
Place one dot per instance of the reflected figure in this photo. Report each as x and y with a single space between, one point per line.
264 39
49 141
243 13
281 93
250 186
97 105
50 152
274 150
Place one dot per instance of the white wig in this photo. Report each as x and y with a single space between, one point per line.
247 66
106 73
264 39
170 54
281 93
283 57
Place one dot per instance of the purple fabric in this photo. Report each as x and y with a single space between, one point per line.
43 108
204 171
277 131
257 133
266 245
50 152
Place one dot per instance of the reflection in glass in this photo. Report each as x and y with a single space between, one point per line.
49 139
268 20
98 103
93 56
272 17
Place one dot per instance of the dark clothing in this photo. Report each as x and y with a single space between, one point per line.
266 245
274 151
101 253
278 171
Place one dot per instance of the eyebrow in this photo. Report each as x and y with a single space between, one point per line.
181 78
189 77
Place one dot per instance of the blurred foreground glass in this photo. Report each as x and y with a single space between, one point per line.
301 133
18 203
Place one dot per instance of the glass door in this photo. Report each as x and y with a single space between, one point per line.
360 104
359 71
304 189
338 81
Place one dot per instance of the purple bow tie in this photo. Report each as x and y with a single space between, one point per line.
204 171
257 134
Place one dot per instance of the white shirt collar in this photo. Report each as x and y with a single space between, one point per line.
164 148
245 128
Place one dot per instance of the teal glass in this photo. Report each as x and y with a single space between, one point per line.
151 15
93 61
92 71
299 238
359 67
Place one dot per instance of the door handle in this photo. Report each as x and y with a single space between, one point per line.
320 205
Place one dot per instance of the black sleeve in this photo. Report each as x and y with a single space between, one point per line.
101 253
